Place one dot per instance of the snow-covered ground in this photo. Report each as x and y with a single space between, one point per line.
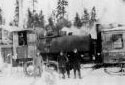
89 77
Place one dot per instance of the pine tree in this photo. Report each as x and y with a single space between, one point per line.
50 26
1 18
85 19
93 16
30 20
32 16
53 16
16 17
35 20
41 19
50 21
61 8
77 21
60 14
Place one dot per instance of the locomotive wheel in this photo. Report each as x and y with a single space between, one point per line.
29 69
116 70
52 65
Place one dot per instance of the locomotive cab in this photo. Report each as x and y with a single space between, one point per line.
24 47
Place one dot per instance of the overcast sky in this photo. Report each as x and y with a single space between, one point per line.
108 11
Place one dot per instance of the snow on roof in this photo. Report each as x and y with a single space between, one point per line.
115 29
9 28
75 30
81 31
14 28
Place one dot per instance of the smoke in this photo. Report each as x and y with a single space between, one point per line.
112 11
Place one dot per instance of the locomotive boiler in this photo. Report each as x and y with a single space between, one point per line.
50 47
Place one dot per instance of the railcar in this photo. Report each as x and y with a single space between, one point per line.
113 49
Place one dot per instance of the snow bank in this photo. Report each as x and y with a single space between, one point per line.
89 77
48 79
1 62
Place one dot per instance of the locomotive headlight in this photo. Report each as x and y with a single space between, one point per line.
82 55
98 54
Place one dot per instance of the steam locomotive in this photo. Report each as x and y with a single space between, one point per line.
52 46
107 49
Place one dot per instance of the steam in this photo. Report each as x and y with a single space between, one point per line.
81 31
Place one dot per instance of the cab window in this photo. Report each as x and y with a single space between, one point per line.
117 40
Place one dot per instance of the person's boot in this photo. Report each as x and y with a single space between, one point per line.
63 76
80 76
75 76
68 76
68 73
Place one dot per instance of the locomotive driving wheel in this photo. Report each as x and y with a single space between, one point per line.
52 65
29 69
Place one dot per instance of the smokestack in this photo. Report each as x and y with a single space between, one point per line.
20 14
98 29
99 39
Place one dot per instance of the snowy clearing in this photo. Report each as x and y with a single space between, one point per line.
89 77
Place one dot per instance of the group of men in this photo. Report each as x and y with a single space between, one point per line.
66 63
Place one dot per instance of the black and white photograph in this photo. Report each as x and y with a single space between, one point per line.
62 42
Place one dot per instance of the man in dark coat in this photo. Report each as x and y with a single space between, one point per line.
38 63
68 65
62 59
76 63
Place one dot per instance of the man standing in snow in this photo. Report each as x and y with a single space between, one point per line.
62 59
68 66
14 60
38 63
1 63
76 63
13 65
